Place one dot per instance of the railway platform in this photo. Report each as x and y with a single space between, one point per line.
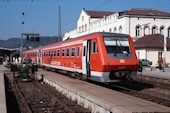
2 90
99 99
155 75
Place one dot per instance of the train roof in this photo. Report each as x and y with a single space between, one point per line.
79 38
82 37
34 49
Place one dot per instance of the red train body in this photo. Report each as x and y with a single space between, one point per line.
102 57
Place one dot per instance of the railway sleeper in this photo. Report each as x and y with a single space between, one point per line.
56 100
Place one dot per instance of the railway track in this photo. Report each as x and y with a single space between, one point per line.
38 97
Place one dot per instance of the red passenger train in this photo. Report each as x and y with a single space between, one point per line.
102 57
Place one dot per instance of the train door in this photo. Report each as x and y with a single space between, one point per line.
86 58
39 57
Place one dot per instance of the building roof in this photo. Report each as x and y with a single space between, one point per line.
154 41
144 12
7 49
98 14
133 11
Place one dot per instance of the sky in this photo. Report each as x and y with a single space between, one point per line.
41 16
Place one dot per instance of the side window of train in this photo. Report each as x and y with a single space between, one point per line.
73 50
63 52
49 53
94 47
54 53
67 52
78 51
44 53
58 53
84 50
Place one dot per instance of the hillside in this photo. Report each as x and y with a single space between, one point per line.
16 42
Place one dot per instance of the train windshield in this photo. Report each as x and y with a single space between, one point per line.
117 47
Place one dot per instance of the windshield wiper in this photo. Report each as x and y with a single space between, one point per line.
122 49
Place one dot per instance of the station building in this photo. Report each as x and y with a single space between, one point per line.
7 54
136 22
151 47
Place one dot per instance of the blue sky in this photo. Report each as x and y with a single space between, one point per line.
41 16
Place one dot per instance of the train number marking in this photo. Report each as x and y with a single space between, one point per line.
122 61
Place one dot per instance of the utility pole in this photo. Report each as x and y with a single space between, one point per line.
59 24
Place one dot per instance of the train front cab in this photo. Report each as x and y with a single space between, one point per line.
109 57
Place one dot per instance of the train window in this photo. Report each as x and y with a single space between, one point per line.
78 51
117 47
46 53
54 52
73 51
63 51
84 51
68 52
49 53
94 47
58 52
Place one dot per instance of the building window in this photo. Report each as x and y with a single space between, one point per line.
86 27
110 30
115 30
159 55
138 31
161 30
120 29
154 29
146 30
169 32
94 47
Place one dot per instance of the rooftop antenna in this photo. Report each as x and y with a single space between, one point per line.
59 24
